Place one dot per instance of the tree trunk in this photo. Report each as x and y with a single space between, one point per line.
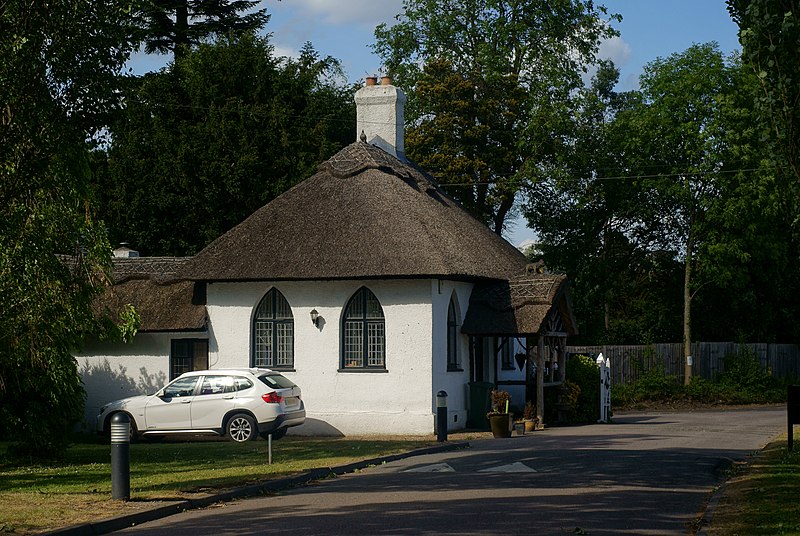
687 311
502 212
181 29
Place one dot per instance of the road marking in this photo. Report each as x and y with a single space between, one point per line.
517 467
435 468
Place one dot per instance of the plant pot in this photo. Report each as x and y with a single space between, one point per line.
530 425
500 424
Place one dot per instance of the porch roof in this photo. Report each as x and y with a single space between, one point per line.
519 306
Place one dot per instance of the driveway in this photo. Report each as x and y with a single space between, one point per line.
646 474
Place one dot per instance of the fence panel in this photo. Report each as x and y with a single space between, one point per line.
630 362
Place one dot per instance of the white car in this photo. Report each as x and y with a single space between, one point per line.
239 403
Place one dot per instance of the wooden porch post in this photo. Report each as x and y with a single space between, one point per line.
540 382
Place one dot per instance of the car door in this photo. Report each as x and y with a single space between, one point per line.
172 410
216 397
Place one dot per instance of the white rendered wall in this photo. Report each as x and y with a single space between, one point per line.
111 371
454 383
398 401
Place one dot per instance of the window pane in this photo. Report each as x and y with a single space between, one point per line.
375 343
284 350
374 309
282 309
354 344
276 381
265 310
263 349
355 309
452 336
182 387
180 360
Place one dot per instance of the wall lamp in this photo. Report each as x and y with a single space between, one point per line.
315 317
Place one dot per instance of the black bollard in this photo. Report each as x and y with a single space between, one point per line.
441 416
121 456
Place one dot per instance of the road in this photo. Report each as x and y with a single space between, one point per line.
647 474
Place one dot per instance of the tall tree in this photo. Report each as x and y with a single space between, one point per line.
678 146
769 31
486 79
174 26
222 131
58 72
584 216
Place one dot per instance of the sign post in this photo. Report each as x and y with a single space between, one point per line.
792 412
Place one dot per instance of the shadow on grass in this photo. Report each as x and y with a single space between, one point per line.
189 466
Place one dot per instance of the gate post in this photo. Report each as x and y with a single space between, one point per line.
605 388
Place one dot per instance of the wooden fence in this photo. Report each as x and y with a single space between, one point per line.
628 363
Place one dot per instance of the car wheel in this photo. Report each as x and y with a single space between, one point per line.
242 427
134 433
276 434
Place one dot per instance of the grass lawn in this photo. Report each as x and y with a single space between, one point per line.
37 498
762 498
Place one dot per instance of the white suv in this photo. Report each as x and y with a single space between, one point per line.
239 403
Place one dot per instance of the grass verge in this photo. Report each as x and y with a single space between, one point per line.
762 497
38 498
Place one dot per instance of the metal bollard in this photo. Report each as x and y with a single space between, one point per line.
121 456
441 416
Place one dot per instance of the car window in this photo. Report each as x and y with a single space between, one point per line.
181 387
242 383
276 381
213 385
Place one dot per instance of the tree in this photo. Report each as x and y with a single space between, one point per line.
678 147
58 68
221 132
769 31
584 215
488 81
174 26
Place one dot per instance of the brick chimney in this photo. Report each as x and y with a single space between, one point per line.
379 115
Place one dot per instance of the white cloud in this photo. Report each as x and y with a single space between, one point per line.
368 13
616 50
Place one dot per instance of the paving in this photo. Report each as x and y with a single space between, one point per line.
646 474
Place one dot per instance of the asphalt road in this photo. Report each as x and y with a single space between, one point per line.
646 474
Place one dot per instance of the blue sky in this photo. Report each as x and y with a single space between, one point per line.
344 29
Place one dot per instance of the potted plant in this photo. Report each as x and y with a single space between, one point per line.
499 417
529 417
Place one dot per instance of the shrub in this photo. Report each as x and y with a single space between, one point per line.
583 372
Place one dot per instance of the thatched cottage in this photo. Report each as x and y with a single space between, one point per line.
366 284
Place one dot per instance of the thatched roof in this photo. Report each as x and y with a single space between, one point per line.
519 306
163 302
364 214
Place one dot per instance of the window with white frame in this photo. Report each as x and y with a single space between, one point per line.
273 333
453 357
363 333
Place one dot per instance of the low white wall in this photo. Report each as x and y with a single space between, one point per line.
111 371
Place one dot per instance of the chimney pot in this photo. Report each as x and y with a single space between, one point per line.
386 80
372 80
